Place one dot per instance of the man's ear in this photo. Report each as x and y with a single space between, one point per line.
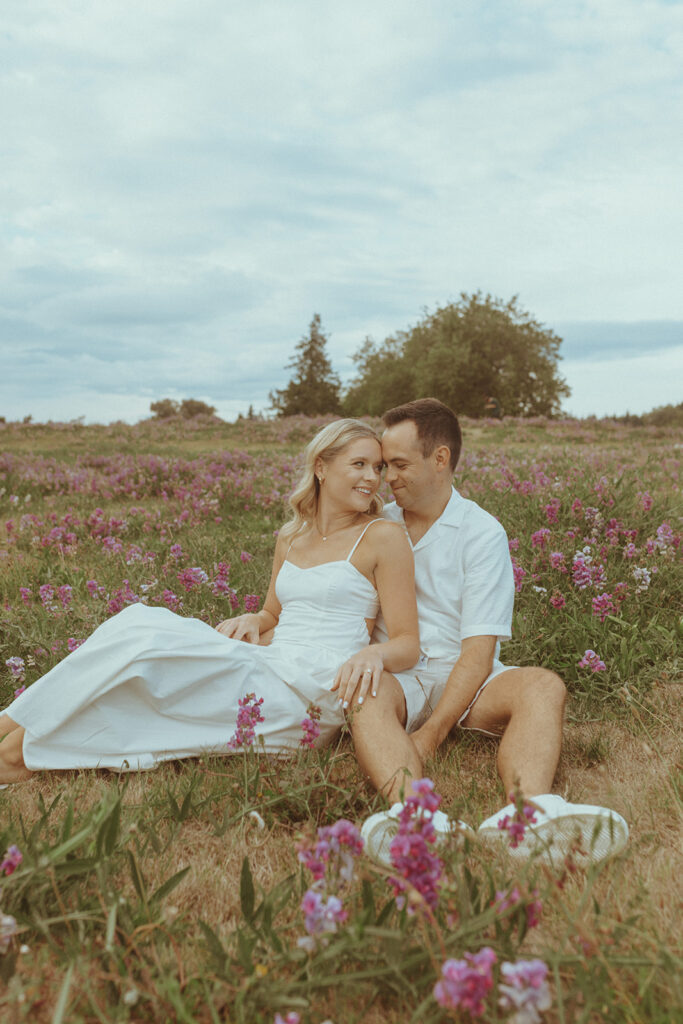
442 457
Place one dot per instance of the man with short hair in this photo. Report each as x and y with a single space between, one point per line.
465 593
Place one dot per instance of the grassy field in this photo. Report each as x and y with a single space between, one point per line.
176 895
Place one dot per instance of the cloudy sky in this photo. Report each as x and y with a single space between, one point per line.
185 182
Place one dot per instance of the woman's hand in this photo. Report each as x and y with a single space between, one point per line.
359 674
242 627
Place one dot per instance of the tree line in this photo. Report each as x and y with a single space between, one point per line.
480 355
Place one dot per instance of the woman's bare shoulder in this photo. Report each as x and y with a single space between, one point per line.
388 534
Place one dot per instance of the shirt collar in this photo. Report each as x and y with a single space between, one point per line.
452 515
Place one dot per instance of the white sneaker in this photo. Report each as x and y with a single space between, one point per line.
379 829
602 832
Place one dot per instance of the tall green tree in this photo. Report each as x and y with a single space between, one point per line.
314 387
463 353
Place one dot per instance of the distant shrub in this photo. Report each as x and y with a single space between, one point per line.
165 408
191 407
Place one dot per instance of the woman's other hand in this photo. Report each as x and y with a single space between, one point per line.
360 674
242 627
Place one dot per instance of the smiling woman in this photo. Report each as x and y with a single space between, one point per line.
150 686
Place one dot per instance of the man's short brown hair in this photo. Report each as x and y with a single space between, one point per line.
436 424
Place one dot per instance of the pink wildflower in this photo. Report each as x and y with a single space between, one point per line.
516 824
251 602
245 556
592 661
465 983
19 690
248 717
26 595
12 860
513 544
192 577
289 1018
176 551
557 560
321 916
411 849
335 850
518 573
603 605
171 600
65 595
540 538
310 727
74 644
557 599
646 500
552 509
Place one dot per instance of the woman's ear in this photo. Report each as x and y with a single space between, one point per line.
319 469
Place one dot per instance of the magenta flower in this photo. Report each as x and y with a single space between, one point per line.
322 917
251 602
19 690
465 983
175 551
540 538
12 860
646 500
524 989
310 727
26 595
335 850
73 644
552 509
248 717
419 869
245 556
592 661
603 605
557 599
557 560
516 824
192 577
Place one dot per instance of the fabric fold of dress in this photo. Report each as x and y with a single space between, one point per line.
150 686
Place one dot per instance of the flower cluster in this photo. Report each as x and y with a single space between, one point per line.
523 988
592 661
248 717
411 851
17 667
310 726
518 896
331 861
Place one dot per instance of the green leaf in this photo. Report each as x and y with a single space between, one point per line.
169 885
60 1008
137 876
247 891
215 946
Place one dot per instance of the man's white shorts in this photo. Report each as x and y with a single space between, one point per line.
423 685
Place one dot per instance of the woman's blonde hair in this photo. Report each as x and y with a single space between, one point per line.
326 445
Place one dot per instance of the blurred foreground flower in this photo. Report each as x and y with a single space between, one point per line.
524 989
411 849
11 861
465 983
310 727
8 928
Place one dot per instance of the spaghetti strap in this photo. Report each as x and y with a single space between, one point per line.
362 534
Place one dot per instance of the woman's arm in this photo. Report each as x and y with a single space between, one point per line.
250 626
394 575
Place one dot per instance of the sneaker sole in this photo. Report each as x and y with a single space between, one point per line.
601 837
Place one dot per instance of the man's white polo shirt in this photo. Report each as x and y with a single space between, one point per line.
463 579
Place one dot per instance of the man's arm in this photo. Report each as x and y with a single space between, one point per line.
469 672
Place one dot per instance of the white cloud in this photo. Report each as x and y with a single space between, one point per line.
187 183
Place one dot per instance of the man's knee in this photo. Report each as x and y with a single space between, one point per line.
543 687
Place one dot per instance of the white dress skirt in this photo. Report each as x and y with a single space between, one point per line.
151 686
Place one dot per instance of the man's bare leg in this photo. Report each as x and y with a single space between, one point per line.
384 750
526 705
12 767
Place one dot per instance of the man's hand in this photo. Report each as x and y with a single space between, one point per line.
242 627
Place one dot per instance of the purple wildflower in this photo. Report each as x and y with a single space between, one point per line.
336 847
251 602
12 860
248 716
17 667
540 538
603 605
419 869
516 824
310 727
592 661
465 983
524 989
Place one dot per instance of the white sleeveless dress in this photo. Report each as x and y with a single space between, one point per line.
151 686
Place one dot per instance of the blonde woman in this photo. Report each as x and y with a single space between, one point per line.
151 686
